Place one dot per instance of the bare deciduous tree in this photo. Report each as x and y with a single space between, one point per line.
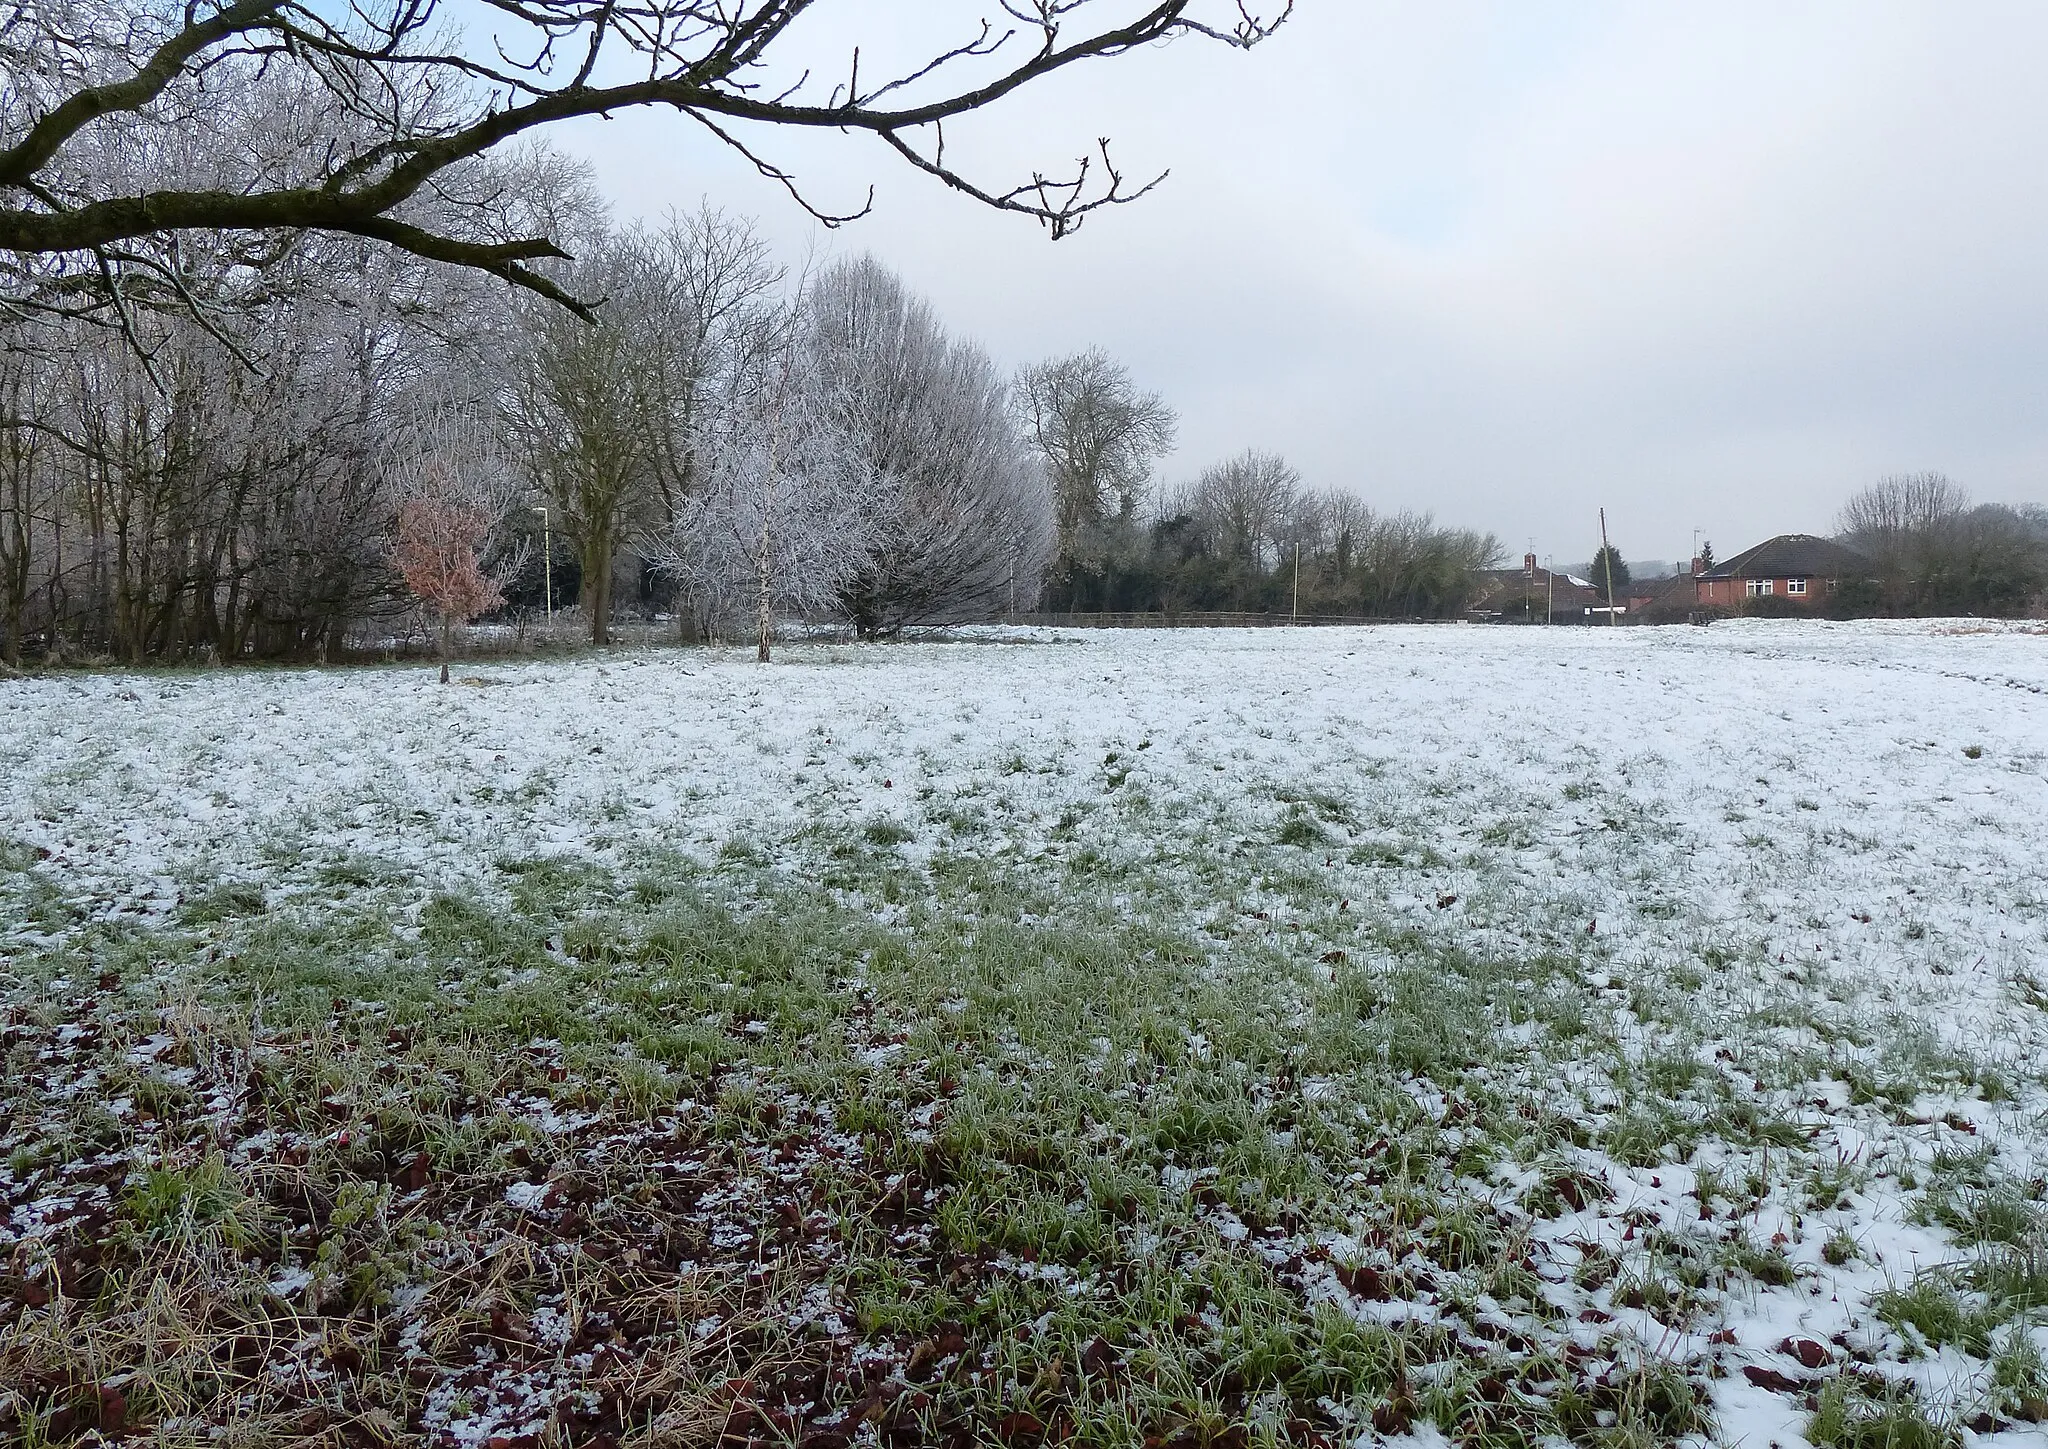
1346 521
31 494
1099 436
1931 551
458 495
1886 518
582 408
438 548
127 124
1410 567
1244 506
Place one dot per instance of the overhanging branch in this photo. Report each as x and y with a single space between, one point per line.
702 57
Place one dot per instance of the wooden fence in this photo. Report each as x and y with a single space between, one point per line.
1208 619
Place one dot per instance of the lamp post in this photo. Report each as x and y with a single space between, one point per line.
547 564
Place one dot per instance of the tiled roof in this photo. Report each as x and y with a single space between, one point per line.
1792 556
1514 585
1658 590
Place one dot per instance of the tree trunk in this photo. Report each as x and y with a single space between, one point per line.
14 591
15 543
766 620
764 565
597 590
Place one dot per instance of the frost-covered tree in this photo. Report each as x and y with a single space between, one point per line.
962 517
710 299
220 482
784 511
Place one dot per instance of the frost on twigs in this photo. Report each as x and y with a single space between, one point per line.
783 512
961 511
130 129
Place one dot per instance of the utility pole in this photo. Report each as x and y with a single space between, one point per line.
1550 601
1607 560
547 563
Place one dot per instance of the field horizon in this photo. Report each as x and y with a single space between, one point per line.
1403 1035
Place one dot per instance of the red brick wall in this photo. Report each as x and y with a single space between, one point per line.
1734 593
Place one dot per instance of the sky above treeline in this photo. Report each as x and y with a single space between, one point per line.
1713 268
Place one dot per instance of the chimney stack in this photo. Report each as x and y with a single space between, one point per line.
1529 564
1695 566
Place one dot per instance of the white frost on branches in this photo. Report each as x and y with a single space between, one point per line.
783 512
456 455
963 512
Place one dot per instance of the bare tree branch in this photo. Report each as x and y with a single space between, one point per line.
377 102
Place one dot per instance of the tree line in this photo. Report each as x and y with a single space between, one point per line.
1932 551
1244 535
349 436
286 296
374 434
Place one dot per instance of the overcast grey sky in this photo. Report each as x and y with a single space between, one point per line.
1712 267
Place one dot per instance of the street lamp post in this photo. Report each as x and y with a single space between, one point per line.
547 564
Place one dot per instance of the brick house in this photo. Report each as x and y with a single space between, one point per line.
1532 593
1800 568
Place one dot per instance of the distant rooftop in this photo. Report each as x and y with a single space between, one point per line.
1791 556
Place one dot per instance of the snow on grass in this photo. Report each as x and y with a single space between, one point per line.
1624 1031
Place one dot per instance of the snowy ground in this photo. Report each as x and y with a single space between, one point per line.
1764 908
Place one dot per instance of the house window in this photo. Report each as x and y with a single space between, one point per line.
1795 586
1759 586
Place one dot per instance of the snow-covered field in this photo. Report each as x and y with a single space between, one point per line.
1791 877
1777 780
